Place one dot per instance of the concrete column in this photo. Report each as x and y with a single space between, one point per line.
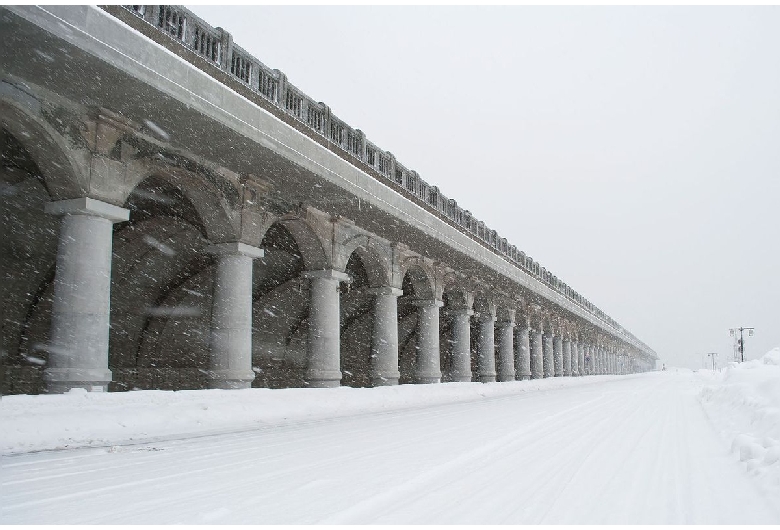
581 364
537 353
323 345
486 348
548 362
612 364
596 355
522 352
460 367
558 354
592 363
506 361
80 314
427 369
602 361
566 345
230 352
384 337
575 358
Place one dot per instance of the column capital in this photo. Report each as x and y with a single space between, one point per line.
428 303
451 311
328 274
387 291
485 317
505 316
87 206
236 248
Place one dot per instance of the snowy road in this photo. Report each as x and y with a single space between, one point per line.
636 449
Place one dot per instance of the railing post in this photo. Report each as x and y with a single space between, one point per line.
226 48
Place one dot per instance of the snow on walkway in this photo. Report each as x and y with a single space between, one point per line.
635 449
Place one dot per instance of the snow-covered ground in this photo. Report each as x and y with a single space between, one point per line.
647 448
743 403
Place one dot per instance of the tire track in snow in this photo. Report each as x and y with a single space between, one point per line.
411 487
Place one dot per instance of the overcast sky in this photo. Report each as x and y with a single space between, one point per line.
633 151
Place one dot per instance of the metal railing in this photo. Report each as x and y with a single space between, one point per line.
216 46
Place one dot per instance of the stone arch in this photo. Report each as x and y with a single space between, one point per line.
418 278
310 245
214 210
54 155
376 258
162 290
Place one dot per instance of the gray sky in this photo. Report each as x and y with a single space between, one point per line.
633 151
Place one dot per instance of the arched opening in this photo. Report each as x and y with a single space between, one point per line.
356 325
415 286
280 308
28 251
161 292
447 343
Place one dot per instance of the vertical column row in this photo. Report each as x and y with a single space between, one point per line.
81 313
523 350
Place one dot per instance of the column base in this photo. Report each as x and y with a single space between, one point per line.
526 377
314 383
503 378
230 380
537 376
323 379
61 380
385 379
487 378
429 379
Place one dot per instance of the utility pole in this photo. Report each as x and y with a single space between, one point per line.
713 355
741 340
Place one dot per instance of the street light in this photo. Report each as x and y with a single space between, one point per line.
741 340
713 355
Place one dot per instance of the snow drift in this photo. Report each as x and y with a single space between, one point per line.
744 405
84 419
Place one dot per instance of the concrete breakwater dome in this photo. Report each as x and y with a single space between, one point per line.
177 215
